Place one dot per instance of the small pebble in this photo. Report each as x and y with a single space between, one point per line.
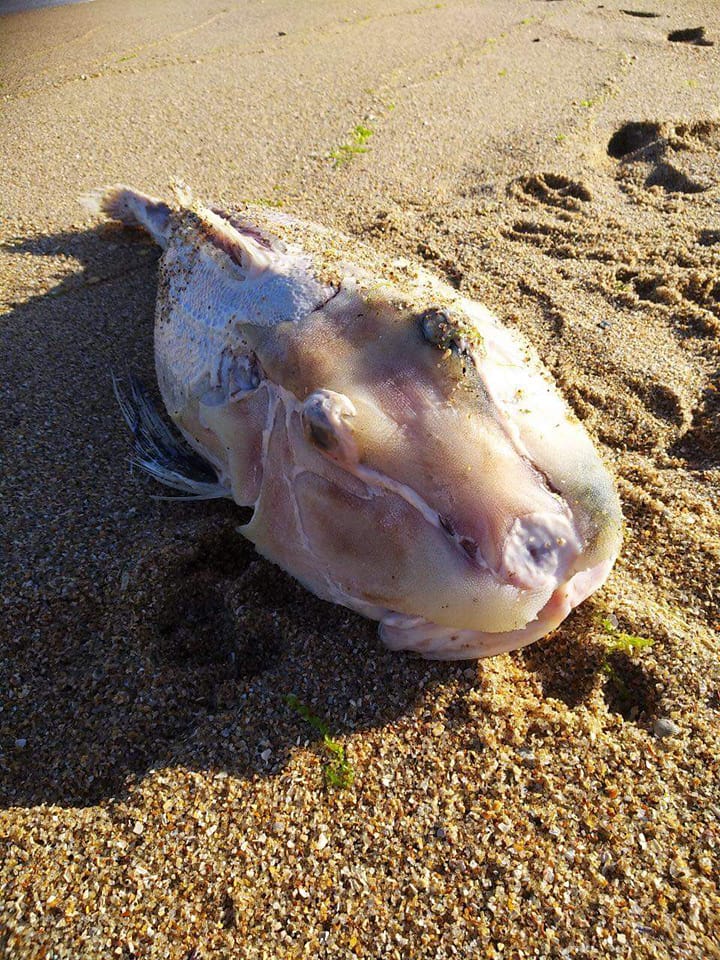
21 743
527 755
664 727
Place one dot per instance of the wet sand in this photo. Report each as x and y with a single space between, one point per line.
160 798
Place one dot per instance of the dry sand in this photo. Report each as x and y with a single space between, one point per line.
159 797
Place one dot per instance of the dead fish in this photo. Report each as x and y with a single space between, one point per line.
404 453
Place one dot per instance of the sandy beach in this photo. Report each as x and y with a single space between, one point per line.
162 795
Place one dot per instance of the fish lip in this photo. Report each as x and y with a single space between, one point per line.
539 549
585 582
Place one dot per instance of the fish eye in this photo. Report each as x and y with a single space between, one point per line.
321 434
325 418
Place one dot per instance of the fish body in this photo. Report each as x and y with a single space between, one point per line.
403 452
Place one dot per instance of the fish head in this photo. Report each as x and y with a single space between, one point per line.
427 473
404 453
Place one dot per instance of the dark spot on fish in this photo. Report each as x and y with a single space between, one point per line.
469 546
447 525
538 551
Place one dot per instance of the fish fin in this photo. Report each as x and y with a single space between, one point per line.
132 208
247 248
164 454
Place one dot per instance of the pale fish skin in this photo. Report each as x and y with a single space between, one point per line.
404 453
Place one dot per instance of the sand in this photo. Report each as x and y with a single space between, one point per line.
160 797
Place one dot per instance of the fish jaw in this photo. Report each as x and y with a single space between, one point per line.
358 538
443 643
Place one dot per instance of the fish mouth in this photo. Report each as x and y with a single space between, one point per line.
400 632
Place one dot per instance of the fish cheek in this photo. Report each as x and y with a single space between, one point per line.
276 527
361 541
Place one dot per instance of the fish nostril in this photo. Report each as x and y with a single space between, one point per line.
467 543
469 546
447 525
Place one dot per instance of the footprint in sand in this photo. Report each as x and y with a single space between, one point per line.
665 158
689 294
708 238
672 180
552 190
699 446
631 137
558 195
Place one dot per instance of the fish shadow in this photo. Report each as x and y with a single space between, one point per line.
563 665
194 662
570 667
